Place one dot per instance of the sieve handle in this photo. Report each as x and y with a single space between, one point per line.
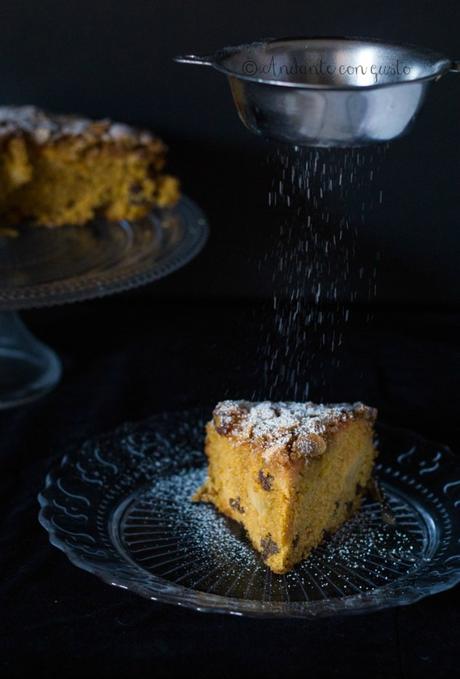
455 67
194 59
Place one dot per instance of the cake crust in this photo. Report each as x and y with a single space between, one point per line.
45 127
285 431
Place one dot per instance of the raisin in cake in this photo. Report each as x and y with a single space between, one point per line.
289 472
65 169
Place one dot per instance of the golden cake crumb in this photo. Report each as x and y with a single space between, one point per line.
288 472
65 169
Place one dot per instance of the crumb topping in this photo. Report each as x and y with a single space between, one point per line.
285 428
44 127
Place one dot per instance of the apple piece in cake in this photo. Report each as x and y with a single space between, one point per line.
288 472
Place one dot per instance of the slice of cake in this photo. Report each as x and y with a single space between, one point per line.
65 169
289 472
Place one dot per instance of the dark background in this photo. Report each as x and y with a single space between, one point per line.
196 336
114 58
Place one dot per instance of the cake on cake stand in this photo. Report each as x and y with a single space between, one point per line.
42 267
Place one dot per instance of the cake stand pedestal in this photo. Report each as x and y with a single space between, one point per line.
42 267
28 368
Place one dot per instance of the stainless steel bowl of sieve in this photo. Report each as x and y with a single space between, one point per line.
327 91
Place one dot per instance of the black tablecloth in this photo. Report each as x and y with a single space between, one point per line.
127 357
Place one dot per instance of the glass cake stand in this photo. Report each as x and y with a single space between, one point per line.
119 507
42 267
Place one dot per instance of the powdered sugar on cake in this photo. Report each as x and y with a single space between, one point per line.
44 127
288 428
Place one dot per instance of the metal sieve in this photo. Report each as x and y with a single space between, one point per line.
327 91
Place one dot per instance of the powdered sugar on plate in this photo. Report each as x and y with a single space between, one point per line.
194 546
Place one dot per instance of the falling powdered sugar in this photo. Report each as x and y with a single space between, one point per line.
320 197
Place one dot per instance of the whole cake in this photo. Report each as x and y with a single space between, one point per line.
289 472
65 169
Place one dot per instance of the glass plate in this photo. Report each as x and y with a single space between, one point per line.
120 508
43 266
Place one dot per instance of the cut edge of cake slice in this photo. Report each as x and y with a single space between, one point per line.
290 473
58 169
